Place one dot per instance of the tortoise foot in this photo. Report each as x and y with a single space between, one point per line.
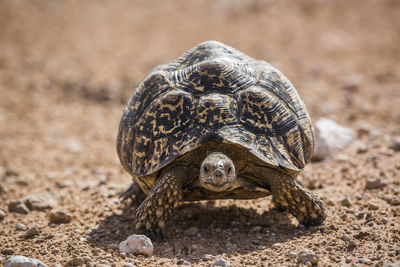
291 195
160 203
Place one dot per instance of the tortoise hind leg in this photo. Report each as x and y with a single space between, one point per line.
162 200
290 194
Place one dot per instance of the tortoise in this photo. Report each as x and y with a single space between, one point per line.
216 124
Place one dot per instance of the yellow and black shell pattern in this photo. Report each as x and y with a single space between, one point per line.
214 91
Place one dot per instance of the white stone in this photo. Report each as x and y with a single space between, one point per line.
137 244
22 261
330 138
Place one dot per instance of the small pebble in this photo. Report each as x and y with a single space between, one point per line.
22 261
292 254
76 261
18 206
2 214
137 244
31 232
395 144
374 183
373 206
192 231
221 262
276 245
20 227
183 262
391 264
59 217
86 258
370 224
305 256
345 202
364 260
128 265
352 244
7 251
384 220
207 257
345 237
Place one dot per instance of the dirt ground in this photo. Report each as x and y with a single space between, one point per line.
67 68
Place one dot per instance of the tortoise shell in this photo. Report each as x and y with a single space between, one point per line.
214 91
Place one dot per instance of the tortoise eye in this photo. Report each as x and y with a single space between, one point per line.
205 169
229 169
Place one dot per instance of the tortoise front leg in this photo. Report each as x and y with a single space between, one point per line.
162 200
290 194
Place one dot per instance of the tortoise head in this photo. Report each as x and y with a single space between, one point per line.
217 173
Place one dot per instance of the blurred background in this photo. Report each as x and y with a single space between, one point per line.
342 56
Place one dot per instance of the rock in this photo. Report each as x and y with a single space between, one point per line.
276 245
395 143
22 261
221 262
2 214
305 256
345 202
40 201
31 232
137 244
20 227
330 138
375 183
59 217
7 251
128 265
192 231
183 262
18 206
292 254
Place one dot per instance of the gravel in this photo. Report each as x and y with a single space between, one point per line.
137 244
22 261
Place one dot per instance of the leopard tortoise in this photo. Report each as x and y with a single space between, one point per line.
216 124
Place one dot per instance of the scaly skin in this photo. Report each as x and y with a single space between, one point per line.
291 195
162 200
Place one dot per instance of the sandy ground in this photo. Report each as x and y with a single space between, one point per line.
67 68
